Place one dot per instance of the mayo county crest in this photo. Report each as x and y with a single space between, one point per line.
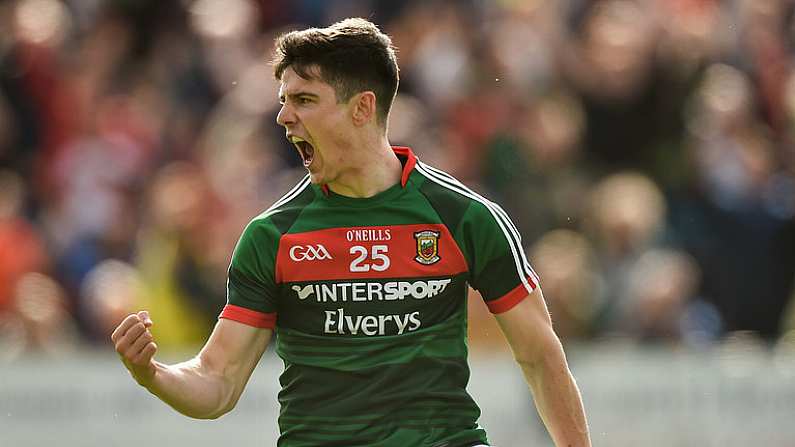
427 247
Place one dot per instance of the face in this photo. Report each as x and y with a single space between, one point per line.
316 124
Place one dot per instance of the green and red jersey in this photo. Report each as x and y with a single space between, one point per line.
367 298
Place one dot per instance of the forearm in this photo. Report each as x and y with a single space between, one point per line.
204 387
193 389
557 399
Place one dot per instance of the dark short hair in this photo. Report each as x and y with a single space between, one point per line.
352 56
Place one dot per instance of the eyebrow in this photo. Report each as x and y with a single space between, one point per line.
296 95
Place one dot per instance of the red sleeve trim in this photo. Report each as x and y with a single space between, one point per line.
510 299
249 317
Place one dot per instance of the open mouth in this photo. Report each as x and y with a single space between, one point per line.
305 149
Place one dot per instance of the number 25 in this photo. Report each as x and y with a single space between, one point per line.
379 261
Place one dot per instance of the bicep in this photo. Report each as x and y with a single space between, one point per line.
234 349
528 328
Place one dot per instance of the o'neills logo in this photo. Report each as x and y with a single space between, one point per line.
371 291
427 247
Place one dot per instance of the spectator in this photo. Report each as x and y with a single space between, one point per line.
574 290
180 264
21 248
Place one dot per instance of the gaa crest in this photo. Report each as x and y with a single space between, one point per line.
427 247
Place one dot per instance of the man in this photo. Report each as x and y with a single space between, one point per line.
362 272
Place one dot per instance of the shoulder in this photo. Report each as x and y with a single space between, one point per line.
450 197
277 219
283 213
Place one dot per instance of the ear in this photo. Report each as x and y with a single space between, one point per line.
363 108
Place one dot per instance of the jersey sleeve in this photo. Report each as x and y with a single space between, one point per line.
251 288
499 269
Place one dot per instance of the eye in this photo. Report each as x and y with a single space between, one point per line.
304 100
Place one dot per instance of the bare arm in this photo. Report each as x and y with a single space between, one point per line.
206 386
538 351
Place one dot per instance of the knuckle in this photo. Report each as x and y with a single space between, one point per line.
141 359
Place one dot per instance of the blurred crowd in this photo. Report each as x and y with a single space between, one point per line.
645 149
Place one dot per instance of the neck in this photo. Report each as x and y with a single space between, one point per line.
376 169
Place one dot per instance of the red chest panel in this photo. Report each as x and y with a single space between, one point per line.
396 251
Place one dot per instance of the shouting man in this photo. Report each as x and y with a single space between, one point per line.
362 272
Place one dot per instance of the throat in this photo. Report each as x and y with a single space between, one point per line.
368 180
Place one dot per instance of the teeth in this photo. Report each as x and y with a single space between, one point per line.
307 153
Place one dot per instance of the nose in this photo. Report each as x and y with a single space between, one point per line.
286 116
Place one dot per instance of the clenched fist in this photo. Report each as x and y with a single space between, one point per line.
136 346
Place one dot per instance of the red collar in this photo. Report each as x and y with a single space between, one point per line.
402 152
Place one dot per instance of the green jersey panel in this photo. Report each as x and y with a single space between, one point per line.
367 298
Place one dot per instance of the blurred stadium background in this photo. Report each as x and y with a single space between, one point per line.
646 150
